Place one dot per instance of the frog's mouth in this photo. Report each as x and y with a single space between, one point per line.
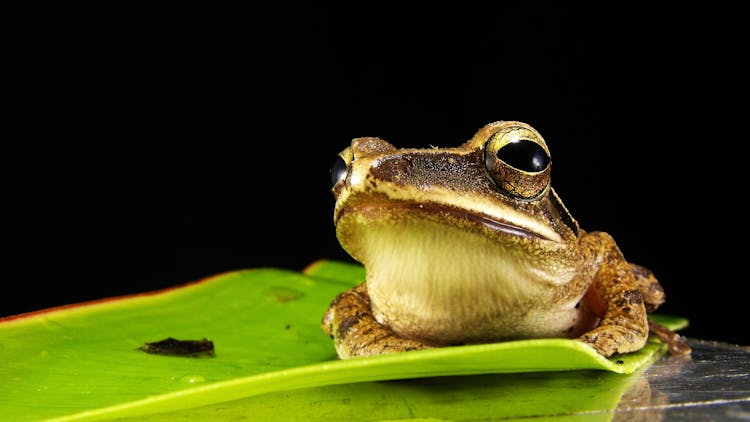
438 212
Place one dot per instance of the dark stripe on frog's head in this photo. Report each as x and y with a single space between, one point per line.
563 213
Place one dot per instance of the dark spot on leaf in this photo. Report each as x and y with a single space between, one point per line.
173 347
619 362
282 294
287 327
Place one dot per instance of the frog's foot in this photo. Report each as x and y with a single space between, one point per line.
651 290
355 331
677 345
611 339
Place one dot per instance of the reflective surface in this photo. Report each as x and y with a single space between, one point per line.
713 384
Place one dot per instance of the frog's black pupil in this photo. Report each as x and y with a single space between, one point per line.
338 170
524 155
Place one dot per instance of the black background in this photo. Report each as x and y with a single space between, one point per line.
196 142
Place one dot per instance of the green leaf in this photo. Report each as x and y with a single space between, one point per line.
84 362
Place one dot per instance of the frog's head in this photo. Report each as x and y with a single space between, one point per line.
496 185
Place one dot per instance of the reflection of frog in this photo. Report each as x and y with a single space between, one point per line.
470 245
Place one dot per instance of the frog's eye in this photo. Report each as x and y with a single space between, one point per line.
338 171
518 161
524 155
340 167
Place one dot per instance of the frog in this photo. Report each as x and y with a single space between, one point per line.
471 244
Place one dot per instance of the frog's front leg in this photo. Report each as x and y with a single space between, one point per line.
355 331
615 297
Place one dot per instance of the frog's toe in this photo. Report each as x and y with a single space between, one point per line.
677 345
610 339
327 322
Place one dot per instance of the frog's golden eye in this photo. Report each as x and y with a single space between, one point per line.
518 162
340 166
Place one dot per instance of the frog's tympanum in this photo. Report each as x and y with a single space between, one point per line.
472 245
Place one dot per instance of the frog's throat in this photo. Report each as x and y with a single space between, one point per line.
489 222
440 282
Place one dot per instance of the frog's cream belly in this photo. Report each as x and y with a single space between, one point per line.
468 290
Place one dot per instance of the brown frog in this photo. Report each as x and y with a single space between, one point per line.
472 245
